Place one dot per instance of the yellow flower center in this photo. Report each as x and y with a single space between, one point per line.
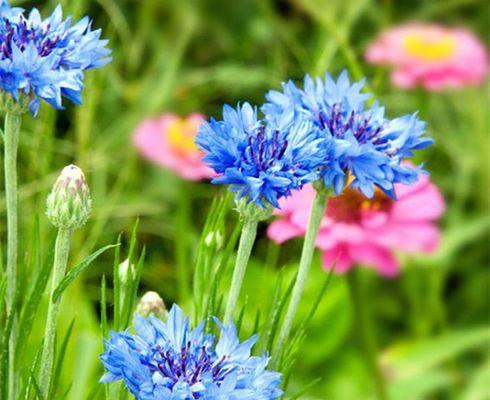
181 134
427 48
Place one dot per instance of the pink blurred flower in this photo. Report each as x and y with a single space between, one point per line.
169 142
430 55
356 229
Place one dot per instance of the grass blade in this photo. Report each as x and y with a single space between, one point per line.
103 308
60 359
77 270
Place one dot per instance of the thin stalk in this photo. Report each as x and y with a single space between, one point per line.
62 250
247 239
366 331
11 143
316 215
12 129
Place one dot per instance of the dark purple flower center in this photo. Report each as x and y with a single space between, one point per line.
338 123
263 151
189 364
21 34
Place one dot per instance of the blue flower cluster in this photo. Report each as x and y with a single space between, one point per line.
260 161
46 59
323 130
360 144
169 360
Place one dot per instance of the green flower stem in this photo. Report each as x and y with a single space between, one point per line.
11 143
247 239
316 215
62 250
366 332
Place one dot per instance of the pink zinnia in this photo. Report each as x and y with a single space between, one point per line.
430 55
358 230
169 142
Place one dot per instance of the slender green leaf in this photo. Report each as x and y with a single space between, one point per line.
4 353
103 308
59 361
413 358
77 270
37 389
26 393
31 305
239 320
117 285
302 391
277 310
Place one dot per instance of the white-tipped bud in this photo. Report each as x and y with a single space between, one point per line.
152 303
124 273
69 203
214 238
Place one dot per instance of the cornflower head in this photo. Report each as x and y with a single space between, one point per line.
261 161
169 360
360 144
45 59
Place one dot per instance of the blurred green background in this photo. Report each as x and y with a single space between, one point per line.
192 56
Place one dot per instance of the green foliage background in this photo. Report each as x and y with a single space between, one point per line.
186 56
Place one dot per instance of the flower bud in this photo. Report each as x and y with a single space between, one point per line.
152 303
126 271
69 203
214 238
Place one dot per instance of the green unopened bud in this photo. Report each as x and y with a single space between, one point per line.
152 303
125 273
69 203
214 238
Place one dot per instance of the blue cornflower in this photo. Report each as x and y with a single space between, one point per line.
46 59
261 162
359 143
169 360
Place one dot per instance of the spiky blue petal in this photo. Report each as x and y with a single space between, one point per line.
169 360
261 161
358 141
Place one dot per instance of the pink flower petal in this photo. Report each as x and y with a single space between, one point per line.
443 57
424 204
410 237
150 138
375 256
337 258
281 230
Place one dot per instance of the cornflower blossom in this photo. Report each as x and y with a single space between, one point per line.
169 360
262 162
358 142
46 59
